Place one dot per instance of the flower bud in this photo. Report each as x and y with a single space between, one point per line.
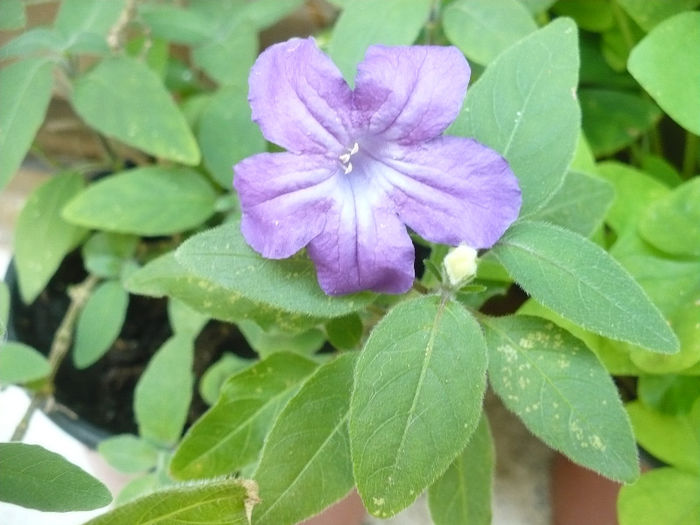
460 264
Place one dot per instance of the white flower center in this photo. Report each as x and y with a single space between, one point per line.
345 157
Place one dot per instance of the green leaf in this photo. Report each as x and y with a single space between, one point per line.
128 453
580 204
20 363
591 15
663 495
42 237
613 120
136 488
185 320
222 256
463 493
668 393
264 13
27 90
224 501
124 99
275 340
672 223
175 24
581 282
163 393
36 41
87 16
524 106
661 169
419 384
537 6
106 254
99 323
216 375
648 13
345 333
481 29
227 134
562 393
660 64
230 435
33 477
364 22
145 201
12 15
319 472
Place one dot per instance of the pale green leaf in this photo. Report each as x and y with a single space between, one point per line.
137 488
185 320
35 41
175 24
128 453
649 13
320 471
12 15
87 16
419 384
106 254
236 37
124 99
537 6
20 363
230 435
36 478
524 106
216 375
275 340
581 282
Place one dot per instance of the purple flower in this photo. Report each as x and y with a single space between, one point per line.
363 164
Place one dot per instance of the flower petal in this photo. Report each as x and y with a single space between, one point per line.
284 199
363 246
410 94
299 98
450 190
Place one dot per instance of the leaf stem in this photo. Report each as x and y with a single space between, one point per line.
624 26
690 154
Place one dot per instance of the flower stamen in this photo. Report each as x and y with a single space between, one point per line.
345 158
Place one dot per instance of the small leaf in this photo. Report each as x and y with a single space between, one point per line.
137 488
185 320
36 478
581 282
128 453
26 87
105 254
144 201
562 393
319 472
275 340
660 64
419 384
230 435
217 374
345 333
42 237
163 393
463 493
648 14
228 501
119 98
20 363
12 15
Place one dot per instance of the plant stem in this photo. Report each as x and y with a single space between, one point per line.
690 154
624 26
60 346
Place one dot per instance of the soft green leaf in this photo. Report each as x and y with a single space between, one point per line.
661 64
42 237
595 70
175 24
227 134
345 333
648 13
137 488
105 254
128 453
591 15
562 393
672 223
12 15
580 204
123 98
216 375
669 393
36 478
87 16
222 501
275 340
163 393
615 119
35 41
264 13
319 472
144 201
663 495
661 169
185 320
20 363
615 44
481 29
524 106
366 22
236 37
230 435
222 256
26 88
463 493
419 384
537 6
100 322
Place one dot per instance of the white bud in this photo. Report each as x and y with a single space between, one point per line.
460 264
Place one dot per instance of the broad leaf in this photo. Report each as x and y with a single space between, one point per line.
120 97
562 393
224 501
230 435
660 64
87 16
481 29
20 363
463 493
524 106
649 13
26 87
128 453
36 478
419 384
319 472
163 393
364 22
107 254
222 256
42 237
145 201
581 282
